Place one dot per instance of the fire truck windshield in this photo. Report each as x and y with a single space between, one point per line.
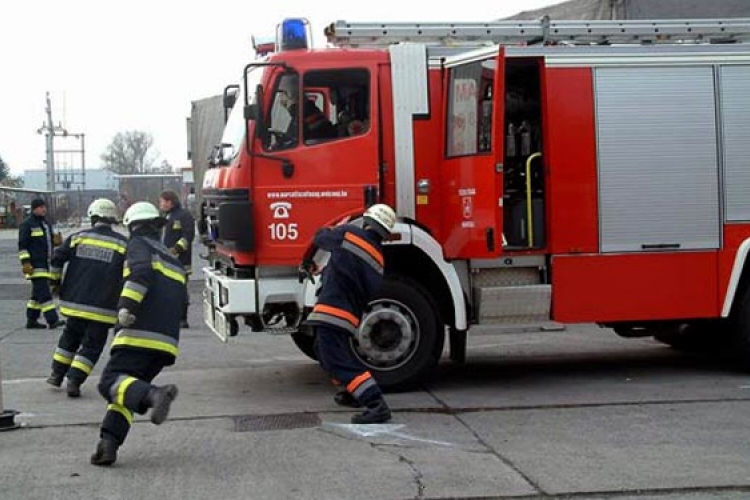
234 130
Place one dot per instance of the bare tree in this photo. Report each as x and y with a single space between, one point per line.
129 153
6 179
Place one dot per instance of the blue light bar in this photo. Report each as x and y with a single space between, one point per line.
293 34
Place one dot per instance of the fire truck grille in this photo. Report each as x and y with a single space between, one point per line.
257 423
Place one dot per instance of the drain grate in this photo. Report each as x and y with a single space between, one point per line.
284 421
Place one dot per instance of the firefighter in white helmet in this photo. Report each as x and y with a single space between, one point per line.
352 276
148 331
93 260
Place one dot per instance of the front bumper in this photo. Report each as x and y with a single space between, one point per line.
224 298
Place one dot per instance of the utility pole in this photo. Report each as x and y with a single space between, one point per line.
50 130
66 177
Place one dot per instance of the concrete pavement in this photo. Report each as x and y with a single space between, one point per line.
580 414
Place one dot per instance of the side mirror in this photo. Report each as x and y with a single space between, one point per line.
226 153
230 97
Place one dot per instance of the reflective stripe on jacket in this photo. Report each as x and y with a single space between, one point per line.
350 279
92 261
35 245
154 291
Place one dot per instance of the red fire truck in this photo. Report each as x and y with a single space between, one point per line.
573 172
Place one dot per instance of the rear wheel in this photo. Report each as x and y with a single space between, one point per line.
740 329
401 335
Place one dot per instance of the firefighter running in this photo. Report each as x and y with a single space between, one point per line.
93 261
35 244
350 279
148 330
178 236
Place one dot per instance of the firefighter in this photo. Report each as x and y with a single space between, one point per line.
352 276
35 244
178 235
147 332
88 294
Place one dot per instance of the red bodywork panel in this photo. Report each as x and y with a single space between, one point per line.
570 152
633 287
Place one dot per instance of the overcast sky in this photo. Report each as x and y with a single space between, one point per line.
137 65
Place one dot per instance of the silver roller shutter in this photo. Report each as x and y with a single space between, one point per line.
735 106
658 168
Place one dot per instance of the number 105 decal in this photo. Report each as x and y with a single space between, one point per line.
284 231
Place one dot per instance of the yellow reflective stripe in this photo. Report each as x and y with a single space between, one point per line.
40 274
155 345
125 272
48 307
55 276
62 359
132 294
122 388
122 411
101 318
183 243
81 366
23 255
99 243
169 273
33 305
37 232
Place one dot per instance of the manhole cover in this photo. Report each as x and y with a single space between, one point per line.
256 423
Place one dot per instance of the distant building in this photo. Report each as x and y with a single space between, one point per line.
96 179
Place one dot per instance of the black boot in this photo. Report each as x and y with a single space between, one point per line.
34 325
345 398
56 324
74 388
159 400
106 452
377 412
55 379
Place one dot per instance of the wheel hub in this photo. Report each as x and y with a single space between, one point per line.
388 335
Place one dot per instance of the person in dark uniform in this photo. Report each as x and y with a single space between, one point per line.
352 276
178 235
35 244
147 332
93 260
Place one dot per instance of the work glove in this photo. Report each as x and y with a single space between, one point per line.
27 268
54 287
57 239
174 251
125 317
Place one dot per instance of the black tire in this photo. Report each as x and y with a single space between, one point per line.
740 330
702 337
306 344
401 335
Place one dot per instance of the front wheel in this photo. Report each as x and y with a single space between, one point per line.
401 335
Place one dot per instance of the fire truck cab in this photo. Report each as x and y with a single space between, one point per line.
543 172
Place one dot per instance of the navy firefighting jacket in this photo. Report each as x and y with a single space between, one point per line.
154 291
93 276
351 278
179 232
35 245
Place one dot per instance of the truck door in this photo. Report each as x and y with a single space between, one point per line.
320 159
473 163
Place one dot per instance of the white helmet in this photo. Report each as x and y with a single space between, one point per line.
103 208
140 212
381 216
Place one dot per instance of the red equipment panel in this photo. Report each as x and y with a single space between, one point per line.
632 287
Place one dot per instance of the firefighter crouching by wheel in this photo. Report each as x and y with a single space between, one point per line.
35 244
178 236
88 294
353 275
147 332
